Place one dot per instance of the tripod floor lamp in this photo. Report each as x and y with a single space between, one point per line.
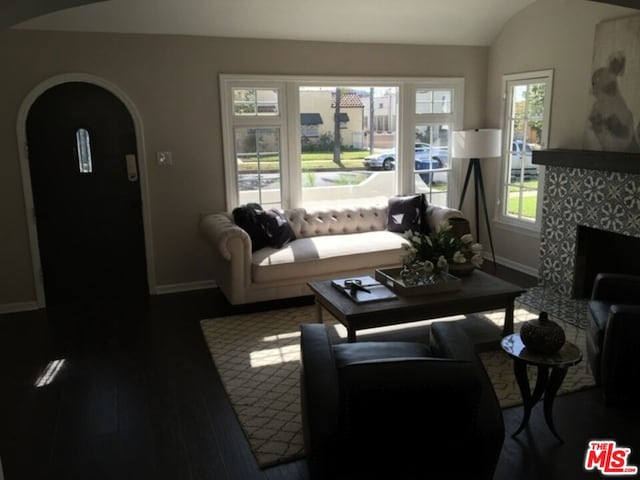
474 145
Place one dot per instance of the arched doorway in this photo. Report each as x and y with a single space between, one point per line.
86 195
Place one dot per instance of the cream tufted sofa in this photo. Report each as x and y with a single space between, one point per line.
329 244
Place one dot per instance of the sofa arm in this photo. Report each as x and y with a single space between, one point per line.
231 249
616 288
221 232
619 367
448 340
623 327
319 399
437 215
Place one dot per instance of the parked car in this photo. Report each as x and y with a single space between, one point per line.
425 158
521 154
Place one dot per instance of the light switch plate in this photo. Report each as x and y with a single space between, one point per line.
164 158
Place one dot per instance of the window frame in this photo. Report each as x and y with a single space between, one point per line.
288 120
230 122
509 82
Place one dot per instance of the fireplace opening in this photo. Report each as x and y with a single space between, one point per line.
602 251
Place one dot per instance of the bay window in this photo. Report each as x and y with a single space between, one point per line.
318 142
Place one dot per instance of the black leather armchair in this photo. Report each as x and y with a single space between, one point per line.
398 409
613 337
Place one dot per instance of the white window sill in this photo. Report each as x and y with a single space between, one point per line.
521 228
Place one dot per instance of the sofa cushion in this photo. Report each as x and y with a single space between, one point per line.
336 221
345 354
406 213
327 254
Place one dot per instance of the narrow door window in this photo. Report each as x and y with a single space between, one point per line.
83 148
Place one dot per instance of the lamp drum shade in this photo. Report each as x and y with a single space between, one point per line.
477 143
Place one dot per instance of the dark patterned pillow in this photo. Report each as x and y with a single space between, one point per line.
406 213
277 228
247 217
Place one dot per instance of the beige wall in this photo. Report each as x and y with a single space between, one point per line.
173 82
549 34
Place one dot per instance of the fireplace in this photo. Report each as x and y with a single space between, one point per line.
587 193
603 251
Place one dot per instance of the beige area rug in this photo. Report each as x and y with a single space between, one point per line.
257 356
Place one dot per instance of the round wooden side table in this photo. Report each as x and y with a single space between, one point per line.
546 382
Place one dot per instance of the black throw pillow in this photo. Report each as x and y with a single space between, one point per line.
406 213
248 217
276 228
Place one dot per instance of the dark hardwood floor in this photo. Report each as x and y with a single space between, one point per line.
137 397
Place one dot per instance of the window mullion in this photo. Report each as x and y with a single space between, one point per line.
406 128
230 164
293 172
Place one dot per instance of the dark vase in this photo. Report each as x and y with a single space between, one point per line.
459 226
542 335
460 269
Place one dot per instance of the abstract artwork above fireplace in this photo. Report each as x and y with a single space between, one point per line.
614 114
605 200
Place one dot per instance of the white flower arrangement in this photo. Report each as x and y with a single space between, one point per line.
433 253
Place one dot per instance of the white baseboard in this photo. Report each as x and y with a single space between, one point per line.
184 287
516 266
18 307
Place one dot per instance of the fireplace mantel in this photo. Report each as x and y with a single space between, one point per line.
582 188
624 162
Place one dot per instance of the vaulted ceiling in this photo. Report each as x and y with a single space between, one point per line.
427 22
623 3
432 22
15 11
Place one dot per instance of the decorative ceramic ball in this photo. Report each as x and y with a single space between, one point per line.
542 335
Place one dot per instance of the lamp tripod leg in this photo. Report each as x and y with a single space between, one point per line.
480 184
466 184
477 180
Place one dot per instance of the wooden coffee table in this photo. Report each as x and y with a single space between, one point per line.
480 292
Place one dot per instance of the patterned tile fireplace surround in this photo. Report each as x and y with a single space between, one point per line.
600 190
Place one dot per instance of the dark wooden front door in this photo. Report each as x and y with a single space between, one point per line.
88 208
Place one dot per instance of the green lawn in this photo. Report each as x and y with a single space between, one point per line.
529 202
359 155
529 205
315 160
